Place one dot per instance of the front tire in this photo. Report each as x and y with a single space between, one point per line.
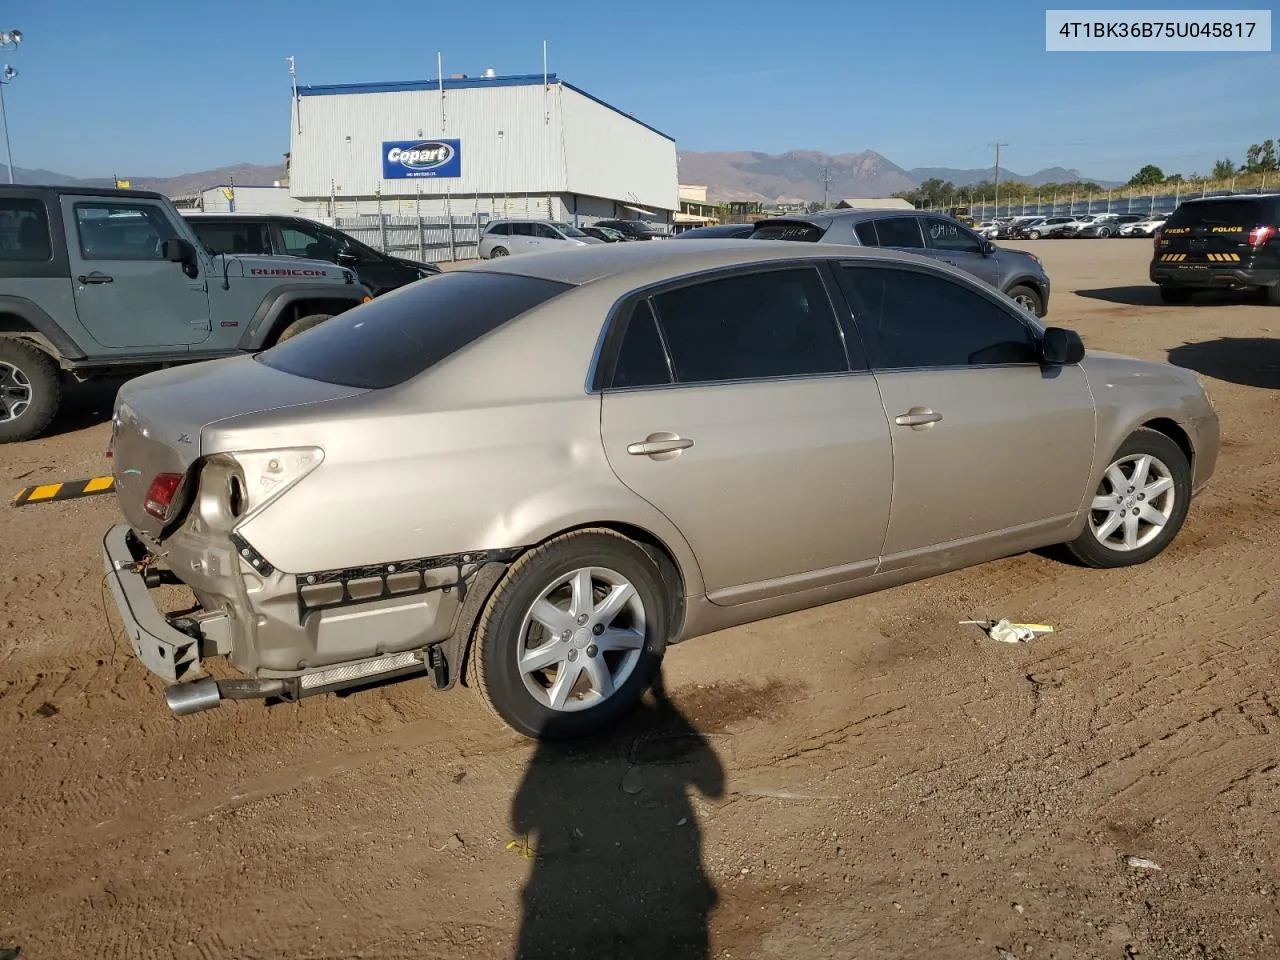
497 252
1273 295
574 634
1027 298
1140 504
301 325
1175 294
1034 235
30 391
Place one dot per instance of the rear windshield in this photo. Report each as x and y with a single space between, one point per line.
400 334
788 230
1245 214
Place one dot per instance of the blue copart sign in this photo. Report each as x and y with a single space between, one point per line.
408 159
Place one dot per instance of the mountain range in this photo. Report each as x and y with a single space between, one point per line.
742 175
244 174
798 174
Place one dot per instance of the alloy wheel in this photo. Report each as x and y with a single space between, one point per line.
581 639
1134 501
15 392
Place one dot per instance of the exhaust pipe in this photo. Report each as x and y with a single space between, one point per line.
199 695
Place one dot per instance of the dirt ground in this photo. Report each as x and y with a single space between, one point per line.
868 779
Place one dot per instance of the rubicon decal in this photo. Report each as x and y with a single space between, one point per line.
285 272
409 159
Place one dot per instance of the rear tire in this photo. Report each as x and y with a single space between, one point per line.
623 647
1175 294
1163 494
301 325
1273 295
30 390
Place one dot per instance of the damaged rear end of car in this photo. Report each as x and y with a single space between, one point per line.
212 468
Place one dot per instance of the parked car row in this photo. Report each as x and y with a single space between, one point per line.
1099 225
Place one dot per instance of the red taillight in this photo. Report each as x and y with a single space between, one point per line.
160 494
1258 236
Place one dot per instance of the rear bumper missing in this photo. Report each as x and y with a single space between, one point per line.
174 646
165 650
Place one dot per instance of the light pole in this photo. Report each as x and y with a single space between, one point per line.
5 79
9 40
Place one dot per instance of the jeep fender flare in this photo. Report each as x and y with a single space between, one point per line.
44 331
279 299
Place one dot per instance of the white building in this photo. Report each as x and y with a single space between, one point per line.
234 198
486 146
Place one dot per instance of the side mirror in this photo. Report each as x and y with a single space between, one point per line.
347 256
988 247
1061 347
178 250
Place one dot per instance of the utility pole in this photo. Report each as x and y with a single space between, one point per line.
997 146
826 189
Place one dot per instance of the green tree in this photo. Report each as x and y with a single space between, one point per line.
815 206
1175 178
1224 169
1147 176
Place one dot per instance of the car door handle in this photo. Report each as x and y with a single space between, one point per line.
660 446
96 277
917 417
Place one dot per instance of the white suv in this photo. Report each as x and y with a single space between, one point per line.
504 237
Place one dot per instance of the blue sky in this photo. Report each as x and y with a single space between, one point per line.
146 87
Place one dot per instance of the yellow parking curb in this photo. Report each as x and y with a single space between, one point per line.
67 490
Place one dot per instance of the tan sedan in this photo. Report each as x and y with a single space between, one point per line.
535 473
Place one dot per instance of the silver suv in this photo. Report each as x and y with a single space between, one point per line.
504 237
1015 273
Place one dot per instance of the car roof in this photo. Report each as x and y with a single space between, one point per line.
827 217
111 192
587 264
219 215
1271 197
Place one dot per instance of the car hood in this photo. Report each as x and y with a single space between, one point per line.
416 264
162 421
1116 370
265 267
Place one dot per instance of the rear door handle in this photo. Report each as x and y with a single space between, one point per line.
96 277
660 446
918 418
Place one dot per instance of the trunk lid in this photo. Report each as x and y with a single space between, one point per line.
159 419
1214 231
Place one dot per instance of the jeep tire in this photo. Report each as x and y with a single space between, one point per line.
30 390
302 324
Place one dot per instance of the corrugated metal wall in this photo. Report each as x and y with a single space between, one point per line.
519 146
608 155
508 142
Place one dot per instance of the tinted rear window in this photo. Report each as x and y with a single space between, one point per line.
788 230
400 334
1226 213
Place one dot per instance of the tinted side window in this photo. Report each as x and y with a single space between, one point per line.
899 232
522 230
866 233
300 241
941 234
544 232
499 229
24 231
788 230
233 237
122 231
642 361
912 319
771 324
400 334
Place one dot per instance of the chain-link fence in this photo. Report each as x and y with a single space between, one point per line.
1126 202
